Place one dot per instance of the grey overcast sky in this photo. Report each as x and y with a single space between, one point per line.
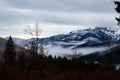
54 16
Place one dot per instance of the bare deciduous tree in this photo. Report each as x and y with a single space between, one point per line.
35 45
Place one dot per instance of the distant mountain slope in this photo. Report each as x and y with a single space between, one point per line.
18 41
2 44
98 34
83 40
112 55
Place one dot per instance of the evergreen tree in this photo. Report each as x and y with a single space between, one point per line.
33 49
118 11
10 52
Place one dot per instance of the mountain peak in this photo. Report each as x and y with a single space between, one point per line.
97 34
100 33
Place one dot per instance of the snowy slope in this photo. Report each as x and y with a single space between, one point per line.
96 34
65 43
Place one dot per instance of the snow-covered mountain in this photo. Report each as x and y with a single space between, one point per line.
84 41
99 34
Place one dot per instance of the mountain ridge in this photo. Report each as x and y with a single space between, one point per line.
95 38
98 34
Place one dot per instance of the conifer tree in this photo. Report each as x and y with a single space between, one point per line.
118 11
33 49
10 52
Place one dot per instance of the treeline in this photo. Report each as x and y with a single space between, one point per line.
28 65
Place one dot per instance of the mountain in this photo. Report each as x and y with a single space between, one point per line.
19 41
99 34
2 44
92 37
4 41
85 41
112 55
95 35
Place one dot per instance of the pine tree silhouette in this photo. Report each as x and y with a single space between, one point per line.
10 52
118 11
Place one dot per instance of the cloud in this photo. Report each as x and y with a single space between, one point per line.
50 30
63 5
55 11
14 13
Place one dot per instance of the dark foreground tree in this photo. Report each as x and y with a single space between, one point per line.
10 52
118 11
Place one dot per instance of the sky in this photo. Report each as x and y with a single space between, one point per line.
54 16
